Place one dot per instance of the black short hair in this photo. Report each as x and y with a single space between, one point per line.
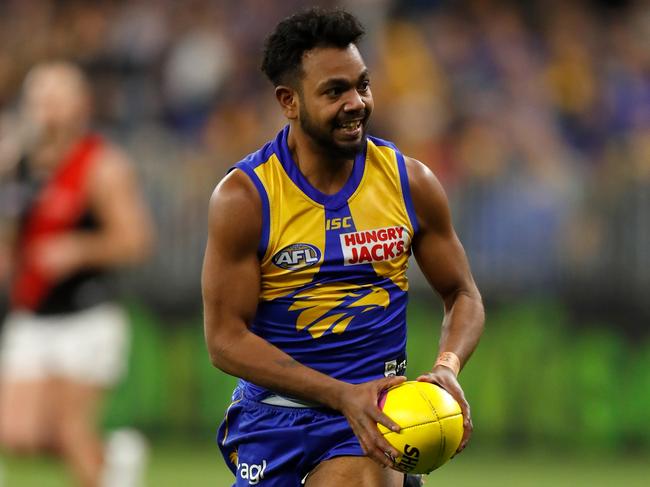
316 27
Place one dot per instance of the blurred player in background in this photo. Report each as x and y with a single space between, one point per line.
71 212
304 277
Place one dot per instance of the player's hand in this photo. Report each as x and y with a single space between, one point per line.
57 257
445 378
358 403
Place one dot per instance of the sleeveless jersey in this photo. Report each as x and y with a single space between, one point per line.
50 208
333 267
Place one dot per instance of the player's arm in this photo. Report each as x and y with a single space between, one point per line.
125 232
442 259
7 235
231 289
6 254
10 145
9 157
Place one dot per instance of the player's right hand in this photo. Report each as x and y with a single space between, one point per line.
445 378
358 403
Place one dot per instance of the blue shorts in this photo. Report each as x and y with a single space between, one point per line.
278 446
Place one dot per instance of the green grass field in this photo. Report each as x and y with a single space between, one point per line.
508 393
178 464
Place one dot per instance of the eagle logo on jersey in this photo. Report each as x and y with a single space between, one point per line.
332 306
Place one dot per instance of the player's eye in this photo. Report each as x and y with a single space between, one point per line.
334 92
364 86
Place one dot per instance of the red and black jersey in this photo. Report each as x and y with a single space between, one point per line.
52 207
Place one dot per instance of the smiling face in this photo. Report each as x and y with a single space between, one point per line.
335 101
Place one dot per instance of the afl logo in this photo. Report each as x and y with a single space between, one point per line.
297 256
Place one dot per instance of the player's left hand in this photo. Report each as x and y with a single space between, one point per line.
445 378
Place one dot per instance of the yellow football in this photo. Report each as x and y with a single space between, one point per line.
431 422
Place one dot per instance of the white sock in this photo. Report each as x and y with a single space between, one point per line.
125 459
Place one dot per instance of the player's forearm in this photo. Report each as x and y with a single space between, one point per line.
98 249
462 326
252 358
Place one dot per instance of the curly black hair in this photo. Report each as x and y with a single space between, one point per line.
301 32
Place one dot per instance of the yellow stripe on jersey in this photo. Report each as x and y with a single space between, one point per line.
379 203
294 218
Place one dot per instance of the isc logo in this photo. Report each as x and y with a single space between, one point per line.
336 223
297 256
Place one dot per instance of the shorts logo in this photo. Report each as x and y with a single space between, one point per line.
234 457
409 459
392 368
297 256
252 472
381 244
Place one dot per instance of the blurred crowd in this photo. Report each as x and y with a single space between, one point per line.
535 116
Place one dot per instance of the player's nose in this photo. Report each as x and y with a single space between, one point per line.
354 102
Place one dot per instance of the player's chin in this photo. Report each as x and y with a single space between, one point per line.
350 147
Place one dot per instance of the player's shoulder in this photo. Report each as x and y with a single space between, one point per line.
235 189
257 158
379 142
235 213
240 198
241 186
428 195
413 167
113 165
238 185
421 177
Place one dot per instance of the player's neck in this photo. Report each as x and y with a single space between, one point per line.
48 151
328 175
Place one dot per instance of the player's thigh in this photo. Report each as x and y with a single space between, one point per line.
26 408
353 472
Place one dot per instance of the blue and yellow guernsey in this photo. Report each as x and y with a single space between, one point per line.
333 267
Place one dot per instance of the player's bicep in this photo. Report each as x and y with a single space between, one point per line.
230 285
443 261
231 273
437 249
119 204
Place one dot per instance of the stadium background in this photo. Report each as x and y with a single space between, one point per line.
536 118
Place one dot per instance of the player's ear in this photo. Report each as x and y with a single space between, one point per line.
288 99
